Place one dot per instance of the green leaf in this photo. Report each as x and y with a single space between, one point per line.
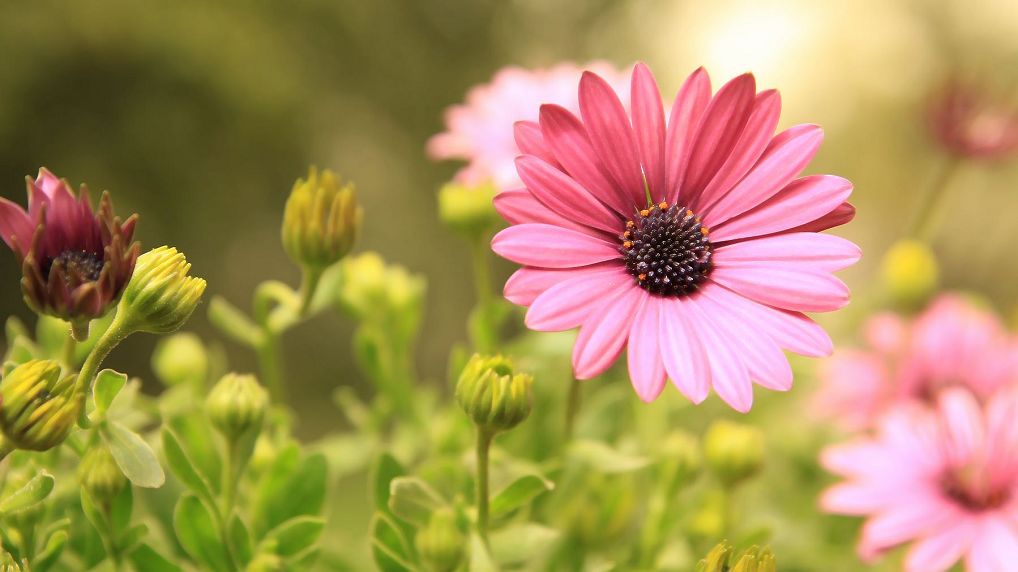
240 540
413 500
385 470
193 432
146 558
515 546
184 469
120 511
480 558
133 536
92 513
296 535
291 489
196 531
604 458
51 553
34 492
107 385
518 494
389 546
134 457
233 322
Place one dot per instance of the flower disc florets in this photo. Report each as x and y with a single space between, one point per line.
666 249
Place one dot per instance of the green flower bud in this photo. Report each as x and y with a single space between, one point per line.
681 460
237 404
756 560
734 451
717 560
38 406
492 395
266 562
321 221
9 564
441 544
910 273
468 210
160 296
25 519
370 287
100 475
181 359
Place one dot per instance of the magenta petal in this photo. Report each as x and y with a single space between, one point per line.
565 196
531 142
15 225
788 288
568 139
520 206
843 214
684 357
600 342
683 124
527 283
567 304
805 251
803 201
646 370
649 126
787 155
611 135
727 370
549 246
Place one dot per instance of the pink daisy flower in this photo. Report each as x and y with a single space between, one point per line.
968 122
952 343
689 241
945 479
480 131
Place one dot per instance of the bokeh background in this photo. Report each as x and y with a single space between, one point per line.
200 115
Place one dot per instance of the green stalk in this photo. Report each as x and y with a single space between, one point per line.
67 355
310 277
271 366
922 224
484 439
115 334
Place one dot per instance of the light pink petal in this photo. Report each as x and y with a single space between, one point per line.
649 126
549 246
603 333
792 331
531 142
611 135
683 124
858 499
567 137
1002 436
803 201
49 183
861 458
804 251
784 287
839 216
963 423
520 206
527 283
684 357
646 370
994 547
917 513
938 552
728 371
786 156
751 144
567 304
885 332
15 226
563 195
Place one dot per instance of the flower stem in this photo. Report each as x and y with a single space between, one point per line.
271 366
115 334
482 272
231 475
310 277
484 438
6 448
922 223
67 355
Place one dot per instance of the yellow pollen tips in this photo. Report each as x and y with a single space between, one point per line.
630 224
627 235
642 277
689 212
704 230
663 206
645 212
627 244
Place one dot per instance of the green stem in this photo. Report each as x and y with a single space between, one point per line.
230 477
572 408
6 448
109 539
115 334
922 223
271 366
308 286
484 438
482 272
67 355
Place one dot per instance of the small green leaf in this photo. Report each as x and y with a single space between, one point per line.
233 322
51 553
107 385
34 492
295 535
146 558
193 432
605 459
291 488
196 531
182 466
133 536
518 494
386 469
389 545
134 457
240 540
120 511
515 546
413 500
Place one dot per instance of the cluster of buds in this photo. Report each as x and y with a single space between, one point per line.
160 296
722 558
237 405
734 452
38 405
495 398
321 220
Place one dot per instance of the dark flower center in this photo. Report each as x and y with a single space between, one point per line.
972 492
667 250
77 266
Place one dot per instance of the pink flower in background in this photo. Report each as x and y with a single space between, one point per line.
970 123
944 479
953 343
480 131
690 241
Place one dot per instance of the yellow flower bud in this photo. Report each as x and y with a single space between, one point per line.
441 543
236 405
180 359
38 406
733 451
321 220
468 210
910 273
492 395
99 474
160 296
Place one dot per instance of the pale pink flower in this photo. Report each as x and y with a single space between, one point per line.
480 131
952 343
944 479
969 122
706 282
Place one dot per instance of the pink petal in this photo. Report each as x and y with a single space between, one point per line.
728 372
531 142
15 226
563 195
611 135
684 357
527 283
784 287
567 304
803 251
839 216
683 124
568 139
646 370
810 200
915 515
551 246
938 552
602 335
520 206
649 126
994 547
963 423
787 155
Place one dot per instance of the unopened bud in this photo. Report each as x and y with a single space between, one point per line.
756 560
321 221
181 359
910 273
99 474
441 543
681 460
237 405
468 210
495 398
38 406
371 288
733 451
160 296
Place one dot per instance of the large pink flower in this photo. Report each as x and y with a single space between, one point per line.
945 479
480 131
691 241
952 343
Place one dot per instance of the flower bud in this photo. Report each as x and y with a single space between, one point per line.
181 359
680 460
492 395
441 543
910 273
26 518
99 474
160 296
756 560
369 286
237 405
38 407
468 210
10 564
321 221
733 451
720 558
717 559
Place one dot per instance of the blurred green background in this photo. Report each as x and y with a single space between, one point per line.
200 115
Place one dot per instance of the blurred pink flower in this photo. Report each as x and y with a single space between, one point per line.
943 478
480 131
952 343
971 124
692 242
